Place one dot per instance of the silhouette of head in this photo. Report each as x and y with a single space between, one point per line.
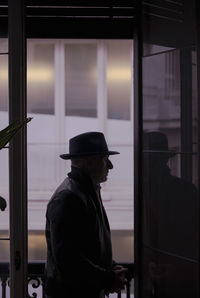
89 152
155 145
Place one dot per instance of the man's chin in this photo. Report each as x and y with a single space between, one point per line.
104 179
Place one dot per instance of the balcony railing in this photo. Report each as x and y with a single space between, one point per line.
36 279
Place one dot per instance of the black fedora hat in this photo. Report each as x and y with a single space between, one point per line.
157 142
87 144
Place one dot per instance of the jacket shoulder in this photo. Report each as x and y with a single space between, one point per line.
64 204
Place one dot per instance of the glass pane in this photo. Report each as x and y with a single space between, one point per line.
167 25
194 119
4 247
119 78
4 267
3 82
43 160
48 137
4 192
150 49
118 191
169 199
4 174
161 97
170 142
81 80
4 169
3 45
40 78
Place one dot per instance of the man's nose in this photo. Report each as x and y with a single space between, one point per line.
110 165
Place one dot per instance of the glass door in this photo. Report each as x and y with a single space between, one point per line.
169 176
169 156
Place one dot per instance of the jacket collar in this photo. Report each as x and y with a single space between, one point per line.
83 179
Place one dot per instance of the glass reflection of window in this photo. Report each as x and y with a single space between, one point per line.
161 99
81 80
161 80
119 79
194 119
172 76
40 78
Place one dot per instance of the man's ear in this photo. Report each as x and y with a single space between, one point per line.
89 160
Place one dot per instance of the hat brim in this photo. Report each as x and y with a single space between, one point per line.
167 152
72 156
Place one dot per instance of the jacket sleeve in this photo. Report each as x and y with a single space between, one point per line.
67 215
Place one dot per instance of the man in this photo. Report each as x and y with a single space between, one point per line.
79 257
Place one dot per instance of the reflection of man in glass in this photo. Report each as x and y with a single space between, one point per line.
169 222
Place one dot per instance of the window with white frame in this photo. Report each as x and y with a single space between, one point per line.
40 77
81 80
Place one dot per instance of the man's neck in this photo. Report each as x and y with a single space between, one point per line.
84 171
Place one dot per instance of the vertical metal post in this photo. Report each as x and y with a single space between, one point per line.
138 127
3 285
17 150
128 292
186 113
197 21
197 25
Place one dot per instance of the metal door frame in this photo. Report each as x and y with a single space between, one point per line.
17 149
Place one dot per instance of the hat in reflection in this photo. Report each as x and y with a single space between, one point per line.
157 142
88 144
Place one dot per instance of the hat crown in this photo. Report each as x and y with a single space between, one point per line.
88 142
155 141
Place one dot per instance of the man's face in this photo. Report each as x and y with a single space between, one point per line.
98 168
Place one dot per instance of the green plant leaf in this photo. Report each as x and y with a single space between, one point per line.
8 133
3 204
